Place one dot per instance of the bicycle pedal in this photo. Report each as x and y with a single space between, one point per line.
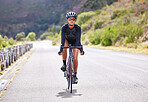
74 82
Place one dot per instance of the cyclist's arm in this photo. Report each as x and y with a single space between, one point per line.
62 40
63 36
78 38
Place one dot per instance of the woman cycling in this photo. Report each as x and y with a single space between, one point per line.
71 34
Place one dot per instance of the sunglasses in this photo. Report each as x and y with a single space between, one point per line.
71 19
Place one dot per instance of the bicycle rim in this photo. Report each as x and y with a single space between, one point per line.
70 77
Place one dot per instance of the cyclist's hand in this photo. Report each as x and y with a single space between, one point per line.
82 53
60 53
61 50
81 50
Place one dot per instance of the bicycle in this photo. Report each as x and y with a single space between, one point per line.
70 67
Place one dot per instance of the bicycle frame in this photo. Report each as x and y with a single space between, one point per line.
70 67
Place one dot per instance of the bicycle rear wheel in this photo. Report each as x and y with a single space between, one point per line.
68 73
70 77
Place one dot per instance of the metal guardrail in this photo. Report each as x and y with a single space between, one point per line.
10 55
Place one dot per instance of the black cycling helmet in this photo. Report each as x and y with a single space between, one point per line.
71 14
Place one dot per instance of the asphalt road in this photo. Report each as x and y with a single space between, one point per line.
104 76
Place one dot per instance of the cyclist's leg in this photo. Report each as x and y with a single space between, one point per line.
75 58
64 54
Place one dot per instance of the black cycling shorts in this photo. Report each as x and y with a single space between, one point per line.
73 43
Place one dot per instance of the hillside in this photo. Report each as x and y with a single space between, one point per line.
32 15
37 15
91 5
122 24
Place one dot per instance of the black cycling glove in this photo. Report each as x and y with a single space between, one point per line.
61 49
81 49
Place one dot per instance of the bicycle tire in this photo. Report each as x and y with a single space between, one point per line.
67 74
70 76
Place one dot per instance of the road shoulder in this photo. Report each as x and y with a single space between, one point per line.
10 73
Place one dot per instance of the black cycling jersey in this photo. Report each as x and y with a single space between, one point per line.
73 36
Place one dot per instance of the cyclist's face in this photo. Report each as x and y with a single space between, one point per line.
71 20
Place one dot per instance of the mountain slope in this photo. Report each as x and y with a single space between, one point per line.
124 23
91 5
37 15
32 15
121 24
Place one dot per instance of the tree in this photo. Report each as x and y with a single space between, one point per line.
45 35
5 38
31 36
11 41
20 36
1 40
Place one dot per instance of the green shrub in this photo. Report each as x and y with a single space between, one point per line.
113 34
94 38
133 1
1 40
45 35
131 11
5 38
98 11
55 29
31 36
118 13
98 24
128 40
132 32
115 14
84 17
143 19
83 38
106 37
53 43
4 44
106 42
20 36
11 41
84 27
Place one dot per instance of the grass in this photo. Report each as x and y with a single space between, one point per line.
2 72
123 49
18 69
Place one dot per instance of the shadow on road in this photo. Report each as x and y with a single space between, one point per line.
66 94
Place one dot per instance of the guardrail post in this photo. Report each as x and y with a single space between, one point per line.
23 49
10 56
2 59
20 50
14 53
7 57
17 52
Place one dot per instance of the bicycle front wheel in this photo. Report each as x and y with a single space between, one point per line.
70 76
68 73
